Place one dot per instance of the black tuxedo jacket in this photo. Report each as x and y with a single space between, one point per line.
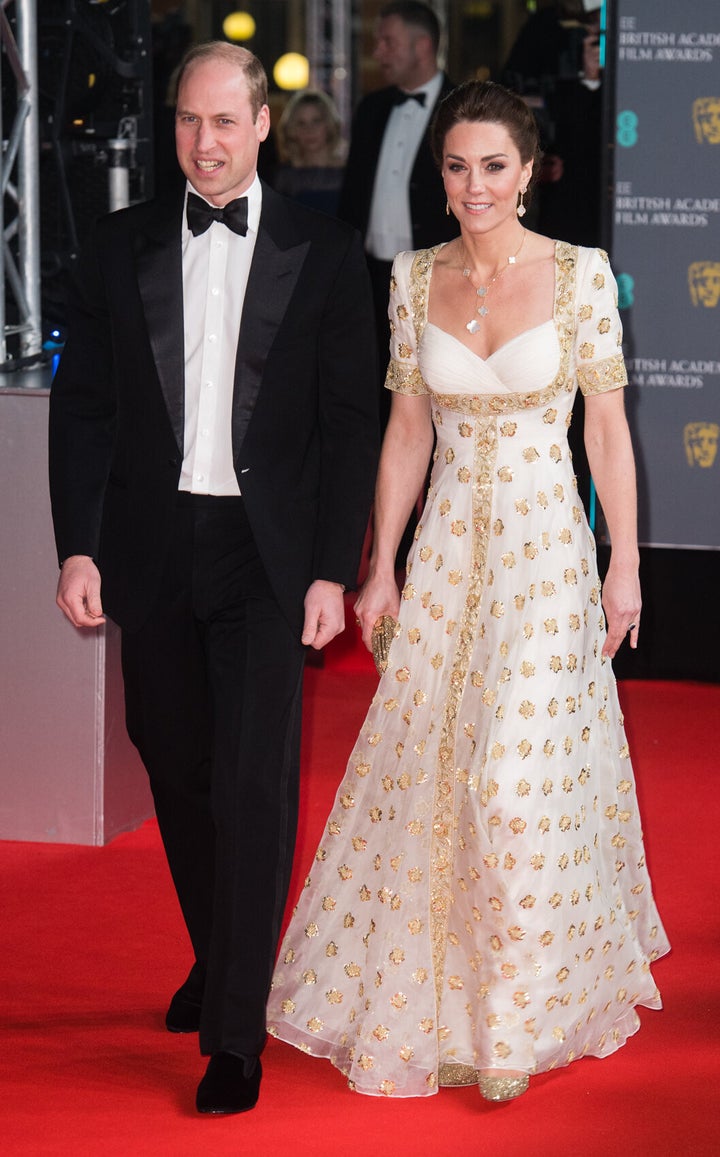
430 223
304 423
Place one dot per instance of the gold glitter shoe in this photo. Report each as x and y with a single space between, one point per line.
502 1088
453 1076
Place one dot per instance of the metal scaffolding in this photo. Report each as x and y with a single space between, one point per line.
328 36
20 309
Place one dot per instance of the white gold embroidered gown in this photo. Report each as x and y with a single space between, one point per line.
480 896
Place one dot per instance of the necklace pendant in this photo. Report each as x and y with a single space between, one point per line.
483 311
482 290
472 326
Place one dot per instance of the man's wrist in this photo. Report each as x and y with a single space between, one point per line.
69 557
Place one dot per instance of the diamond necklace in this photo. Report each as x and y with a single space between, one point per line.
483 290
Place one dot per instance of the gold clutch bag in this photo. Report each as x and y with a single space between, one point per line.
382 636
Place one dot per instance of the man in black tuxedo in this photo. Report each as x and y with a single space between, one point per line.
212 455
392 191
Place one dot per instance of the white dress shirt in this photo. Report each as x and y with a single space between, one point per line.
215 270
390 224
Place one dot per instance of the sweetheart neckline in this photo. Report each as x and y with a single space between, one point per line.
486 361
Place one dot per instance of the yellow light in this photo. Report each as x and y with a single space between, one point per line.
239 26
291 71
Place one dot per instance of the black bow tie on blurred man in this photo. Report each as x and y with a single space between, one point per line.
400 97
200 215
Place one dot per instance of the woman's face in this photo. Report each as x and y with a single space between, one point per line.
309 129
483 174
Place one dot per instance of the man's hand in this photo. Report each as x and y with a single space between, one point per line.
78 592
324 613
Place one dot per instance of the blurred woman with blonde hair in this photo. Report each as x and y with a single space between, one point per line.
312 150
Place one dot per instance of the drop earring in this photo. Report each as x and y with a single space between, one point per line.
447 208
521 210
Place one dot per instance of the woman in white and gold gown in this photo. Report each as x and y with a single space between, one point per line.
479 907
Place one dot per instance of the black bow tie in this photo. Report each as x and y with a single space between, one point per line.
400 97
200 215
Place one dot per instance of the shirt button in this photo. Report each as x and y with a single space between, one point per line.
215 291
205 433
200 477
212 337
208 385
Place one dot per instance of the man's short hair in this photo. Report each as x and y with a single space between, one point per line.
234 54
415 15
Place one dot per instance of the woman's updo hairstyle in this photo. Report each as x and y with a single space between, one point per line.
481 102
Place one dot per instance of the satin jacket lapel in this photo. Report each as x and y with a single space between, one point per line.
158 258
276 265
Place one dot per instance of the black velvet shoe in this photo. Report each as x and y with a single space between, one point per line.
183 1014
230 1085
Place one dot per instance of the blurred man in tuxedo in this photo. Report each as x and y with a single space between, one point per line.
392 191
212 458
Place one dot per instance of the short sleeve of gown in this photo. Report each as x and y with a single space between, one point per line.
403 374
598 334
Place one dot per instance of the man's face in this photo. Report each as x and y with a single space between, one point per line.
216 135
396 52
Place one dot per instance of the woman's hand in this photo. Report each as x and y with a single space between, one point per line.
379 596
621 602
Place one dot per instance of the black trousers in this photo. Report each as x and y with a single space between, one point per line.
213 686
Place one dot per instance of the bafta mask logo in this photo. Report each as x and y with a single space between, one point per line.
706 119
701 439
704 283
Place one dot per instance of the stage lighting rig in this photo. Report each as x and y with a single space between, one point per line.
95 106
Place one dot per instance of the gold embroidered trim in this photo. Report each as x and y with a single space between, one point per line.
420 271
443 830
608 374
484 405
481 406
404 379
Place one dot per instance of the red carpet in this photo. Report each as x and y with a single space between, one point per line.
93 946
